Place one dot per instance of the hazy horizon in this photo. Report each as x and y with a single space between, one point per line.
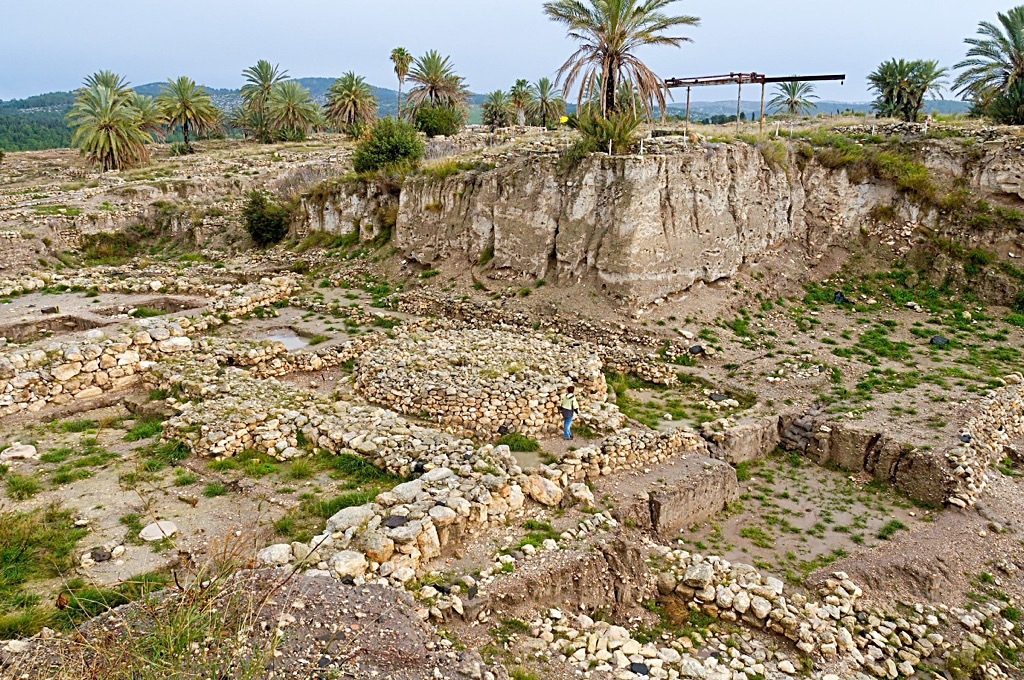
491 42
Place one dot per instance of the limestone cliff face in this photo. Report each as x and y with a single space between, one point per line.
639 227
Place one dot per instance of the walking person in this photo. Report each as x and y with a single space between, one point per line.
570 409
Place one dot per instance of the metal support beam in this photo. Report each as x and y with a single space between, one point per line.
739 104
687 112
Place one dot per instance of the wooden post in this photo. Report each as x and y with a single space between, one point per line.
687 133
739 103
762 108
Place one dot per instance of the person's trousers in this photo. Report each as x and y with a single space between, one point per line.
568 424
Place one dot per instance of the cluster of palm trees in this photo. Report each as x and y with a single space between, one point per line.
991 77
436 84
538 104
114 124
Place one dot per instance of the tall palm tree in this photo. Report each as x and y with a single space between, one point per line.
901 86
107 128
796 99
351 103
402 60
995 61
189 105
521 97
260 81
437 83
291 110
547 104
498 109
610 32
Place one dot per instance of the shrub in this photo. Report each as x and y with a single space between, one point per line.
435 121
391 144
180 149
518 442
1007 108
618 130
266 221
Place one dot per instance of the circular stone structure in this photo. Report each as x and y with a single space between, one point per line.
481 382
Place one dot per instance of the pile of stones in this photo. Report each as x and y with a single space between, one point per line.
483 382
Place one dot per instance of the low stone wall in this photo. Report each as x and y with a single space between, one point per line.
999 420
481 382
839 627
59 372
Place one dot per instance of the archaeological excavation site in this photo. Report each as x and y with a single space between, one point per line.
317 380
798 451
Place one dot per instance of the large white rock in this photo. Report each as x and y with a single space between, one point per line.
174 345
408 492
19 451
347 518
542 490
348 563
280 553
158 530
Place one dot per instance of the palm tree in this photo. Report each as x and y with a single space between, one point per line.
521 97
995 61
402 60
117 84
291 110
108 129
902 86
437 84
547 104
609 33
796 99
189 105
351 103
151 117
260 80
498 109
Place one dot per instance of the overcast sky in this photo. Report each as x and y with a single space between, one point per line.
48 45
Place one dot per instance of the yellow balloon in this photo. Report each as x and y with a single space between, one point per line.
565 119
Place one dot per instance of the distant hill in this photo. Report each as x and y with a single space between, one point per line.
703 110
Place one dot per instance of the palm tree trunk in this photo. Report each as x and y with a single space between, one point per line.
399 99
609 91
184 130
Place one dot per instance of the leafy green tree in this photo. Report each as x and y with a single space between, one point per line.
521 97
184 103
108 127
402 60
547 107
610 33
796 99
252 117
351 104
392 144
498 109
437 83
995 60
266 221
901 86
292 112
435 121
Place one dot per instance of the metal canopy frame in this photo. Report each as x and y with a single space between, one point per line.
739 79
